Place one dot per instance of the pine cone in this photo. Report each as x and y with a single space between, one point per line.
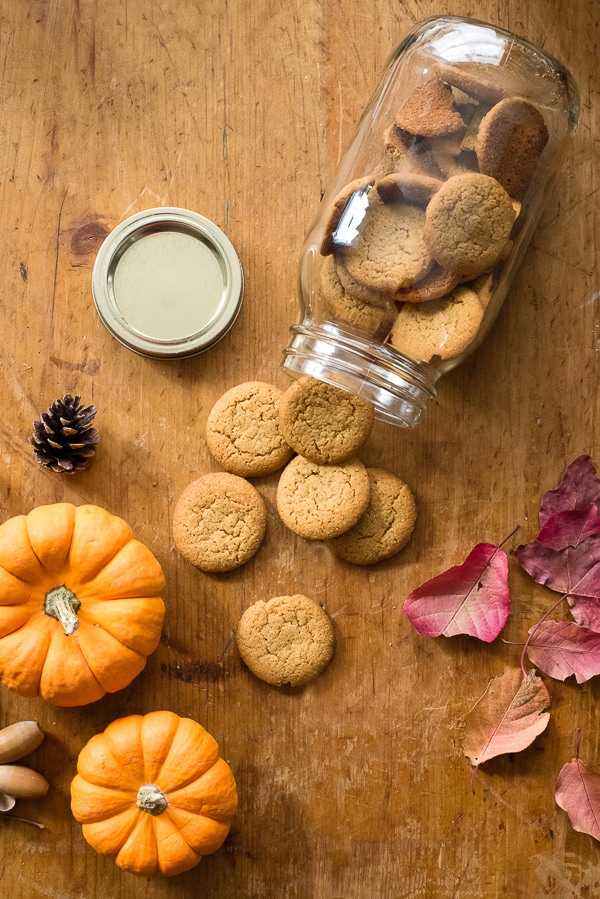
64 440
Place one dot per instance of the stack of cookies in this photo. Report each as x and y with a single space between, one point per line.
413 250
313 431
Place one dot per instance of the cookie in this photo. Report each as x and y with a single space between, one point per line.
467 224
410 186
510 142
324 423
430 111
242 430
344 307
390 252
287 640
445 328
219 522
322 501
477 82
385 527
436 283
357 291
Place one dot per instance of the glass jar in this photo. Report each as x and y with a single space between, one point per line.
430 212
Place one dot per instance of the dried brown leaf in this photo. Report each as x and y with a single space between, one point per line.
508 717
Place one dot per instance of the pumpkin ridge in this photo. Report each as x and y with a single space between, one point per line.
95 574
110 679
86 663
177 827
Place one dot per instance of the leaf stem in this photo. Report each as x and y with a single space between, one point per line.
512 534
532 633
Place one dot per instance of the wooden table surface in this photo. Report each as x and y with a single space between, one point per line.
355 786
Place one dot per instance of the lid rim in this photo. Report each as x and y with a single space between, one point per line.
190 344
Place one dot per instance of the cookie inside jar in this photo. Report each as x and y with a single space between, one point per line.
432 208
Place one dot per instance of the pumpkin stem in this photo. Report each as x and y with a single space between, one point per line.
62 604
151 799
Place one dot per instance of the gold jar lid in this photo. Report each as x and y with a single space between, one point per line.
167 283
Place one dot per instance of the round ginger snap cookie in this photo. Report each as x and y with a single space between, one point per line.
386 525
287 640
344 307
324 423
467 224
390 252
219 522
321 501
445 327
511 139
242 430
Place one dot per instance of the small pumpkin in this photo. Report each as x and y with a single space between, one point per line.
81 604
153 792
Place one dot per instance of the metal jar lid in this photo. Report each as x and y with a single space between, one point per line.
167 283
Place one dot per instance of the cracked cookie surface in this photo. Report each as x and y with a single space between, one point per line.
467 224
287 640
389 252
219 522
324 423
242 430
386 525
322 501
445 327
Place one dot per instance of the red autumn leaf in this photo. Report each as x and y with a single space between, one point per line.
579 487
508 717
567 570
471 598
570 528
586 609
577 792
561 648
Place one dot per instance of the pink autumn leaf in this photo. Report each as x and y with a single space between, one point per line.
586 609
562 570
508 717
570 528
584 599
577 792
579 487
561 648
471 598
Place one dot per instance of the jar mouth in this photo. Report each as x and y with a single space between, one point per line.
398 388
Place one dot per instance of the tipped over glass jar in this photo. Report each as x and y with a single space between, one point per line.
418 238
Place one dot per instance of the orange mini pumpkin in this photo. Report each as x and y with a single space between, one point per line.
153 792
80 604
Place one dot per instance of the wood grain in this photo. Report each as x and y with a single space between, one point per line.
355 786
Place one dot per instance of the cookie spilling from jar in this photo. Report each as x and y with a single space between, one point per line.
414 250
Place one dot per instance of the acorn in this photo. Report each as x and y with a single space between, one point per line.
18 781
